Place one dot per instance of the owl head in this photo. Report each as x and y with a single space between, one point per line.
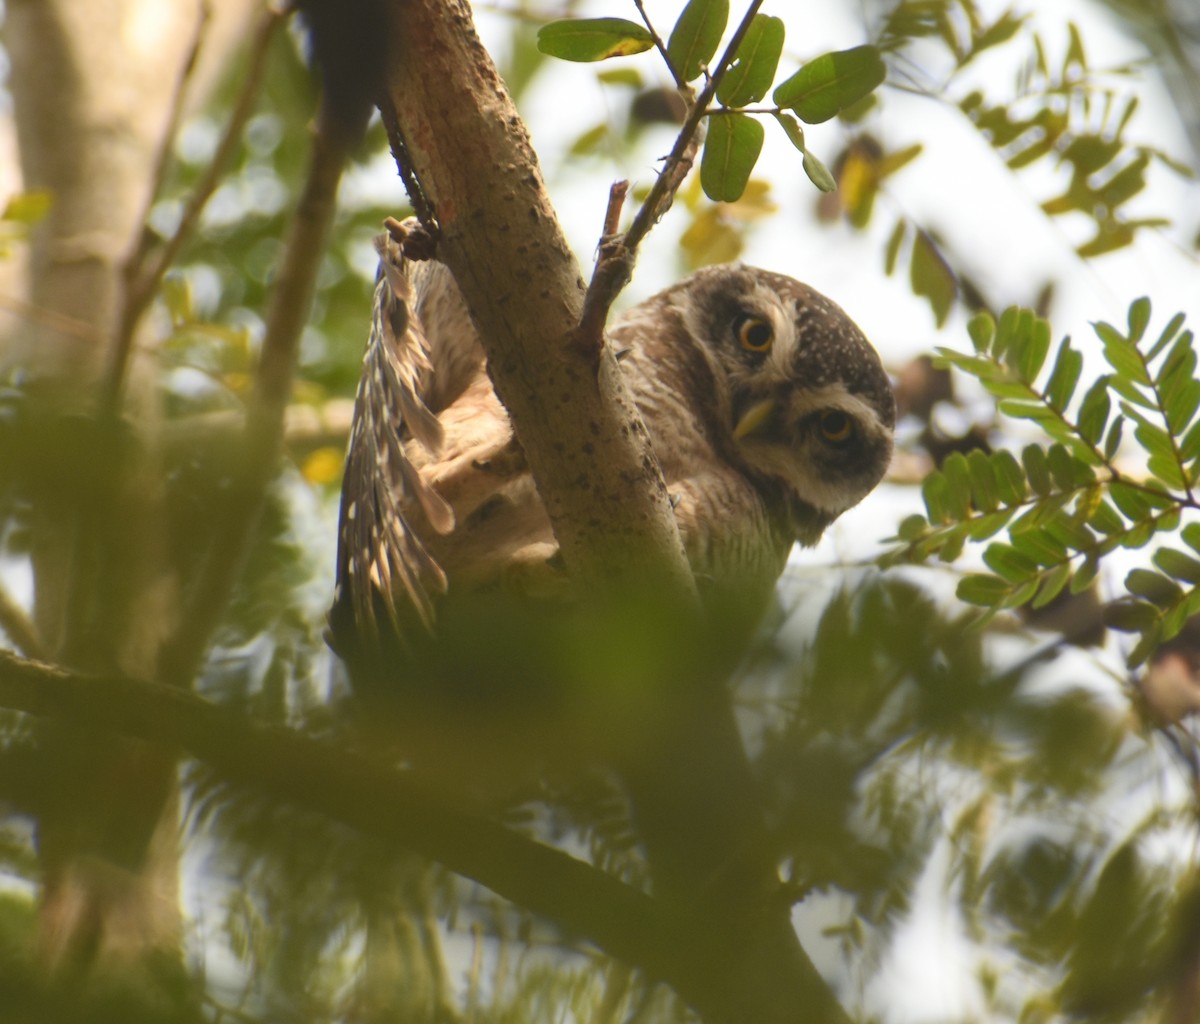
801 399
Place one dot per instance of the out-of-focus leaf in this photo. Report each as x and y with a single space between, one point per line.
892 250
1121 353
1037 472
28 207
817 172
1094 410
731 150
1065 376
589 39
1154 587
931 278
1006 561
1178 565
982 329
753 68
1139 318
832 82
1112 442
986 591
696 36
1010 479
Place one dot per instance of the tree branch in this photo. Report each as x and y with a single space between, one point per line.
449 114
614 266
454 126
383 803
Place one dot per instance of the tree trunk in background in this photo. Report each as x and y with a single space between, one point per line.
94 87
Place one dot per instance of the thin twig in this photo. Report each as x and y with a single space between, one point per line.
661 47
609 253
380 801
614 268
616 201
662 192
145 271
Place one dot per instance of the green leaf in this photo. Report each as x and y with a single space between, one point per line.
28 207
1191 536
892 250
1168 334
989 525
958 480
1062 467
1130 391
696 36
791 128
1033 352
1065 376
731 150
984 492
981 328
1112 443
931 278
912 527
1040 545
1181 394
832 82
754 64
1037 472
1094 410
1005 560
1082 579
1178 565
1167 470
589 39
986 591
935 492
1121 353
1154 587
1131 501
1129 616
817 172
1010 479
1104 518
1052 584
1066 530
1139 318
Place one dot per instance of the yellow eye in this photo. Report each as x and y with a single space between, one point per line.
754 333
836 427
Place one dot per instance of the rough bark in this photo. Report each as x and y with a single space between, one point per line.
455 128
587 448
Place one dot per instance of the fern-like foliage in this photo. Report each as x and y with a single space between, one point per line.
1064 503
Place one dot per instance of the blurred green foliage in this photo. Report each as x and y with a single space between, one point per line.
898 735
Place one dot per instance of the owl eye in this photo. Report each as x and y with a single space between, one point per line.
836 427
754 333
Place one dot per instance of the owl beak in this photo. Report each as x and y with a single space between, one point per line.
753 419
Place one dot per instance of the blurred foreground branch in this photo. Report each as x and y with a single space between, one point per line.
383 803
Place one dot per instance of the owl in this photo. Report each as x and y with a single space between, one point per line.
769 413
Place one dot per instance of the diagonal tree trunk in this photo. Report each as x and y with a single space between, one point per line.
455 128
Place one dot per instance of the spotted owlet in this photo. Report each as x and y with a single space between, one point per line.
769 413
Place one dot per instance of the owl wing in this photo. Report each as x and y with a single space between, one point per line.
382 564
